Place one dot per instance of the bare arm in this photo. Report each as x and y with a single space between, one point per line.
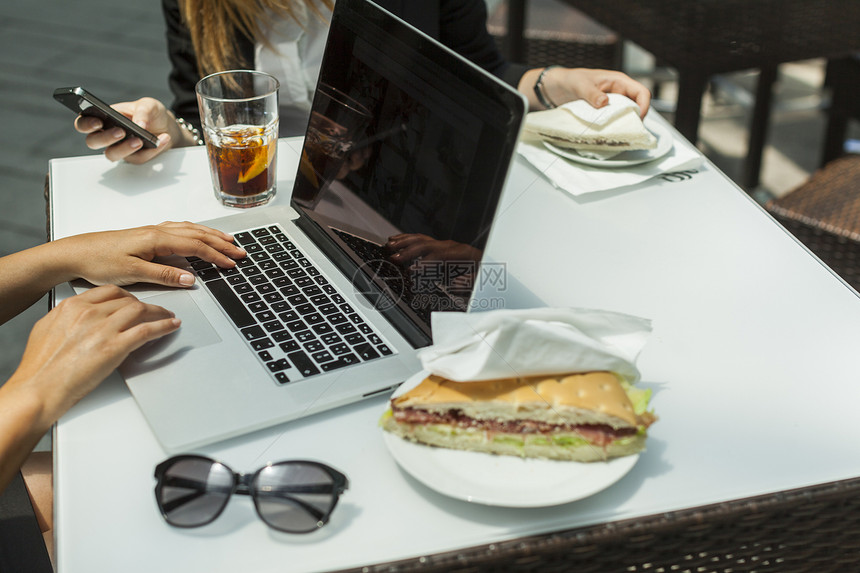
148 113
69 352
110 257
562 85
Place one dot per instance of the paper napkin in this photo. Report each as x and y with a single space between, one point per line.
617 105
469 347
579 179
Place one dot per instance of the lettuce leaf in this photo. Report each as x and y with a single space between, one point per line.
639 397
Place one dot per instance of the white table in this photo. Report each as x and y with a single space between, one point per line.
752 360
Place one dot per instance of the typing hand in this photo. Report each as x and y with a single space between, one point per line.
126 257
76 345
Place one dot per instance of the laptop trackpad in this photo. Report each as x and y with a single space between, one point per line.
195 332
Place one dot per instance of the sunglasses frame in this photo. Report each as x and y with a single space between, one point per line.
242 485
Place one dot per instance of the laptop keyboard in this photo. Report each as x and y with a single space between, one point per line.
294 319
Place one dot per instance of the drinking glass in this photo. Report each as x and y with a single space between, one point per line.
239 113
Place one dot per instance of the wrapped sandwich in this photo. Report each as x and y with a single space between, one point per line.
582 417
492 385
611 129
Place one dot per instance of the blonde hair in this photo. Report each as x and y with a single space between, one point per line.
214 24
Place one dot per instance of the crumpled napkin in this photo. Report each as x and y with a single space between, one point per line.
600 115
469 347
579 179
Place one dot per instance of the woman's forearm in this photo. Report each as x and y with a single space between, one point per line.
26 276
23 422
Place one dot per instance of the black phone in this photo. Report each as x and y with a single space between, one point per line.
83 102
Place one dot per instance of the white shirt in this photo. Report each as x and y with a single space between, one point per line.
295 62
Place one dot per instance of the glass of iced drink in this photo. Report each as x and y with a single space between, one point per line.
239 113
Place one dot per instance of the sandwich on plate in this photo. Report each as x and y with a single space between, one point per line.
583 417
611 129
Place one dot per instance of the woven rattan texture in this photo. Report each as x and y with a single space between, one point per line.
808 530
558 34
730 35
571 54
843 77
824 214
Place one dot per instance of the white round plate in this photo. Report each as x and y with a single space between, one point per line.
505 481
626 158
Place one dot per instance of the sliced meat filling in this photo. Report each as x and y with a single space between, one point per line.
597 434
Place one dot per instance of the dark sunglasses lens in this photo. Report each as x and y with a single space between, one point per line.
194 491
294 497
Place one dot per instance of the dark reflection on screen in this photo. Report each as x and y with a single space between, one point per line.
401 166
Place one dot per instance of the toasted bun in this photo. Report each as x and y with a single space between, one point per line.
590 398
562 128
577 417
563 446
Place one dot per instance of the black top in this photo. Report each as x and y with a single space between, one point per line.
459 24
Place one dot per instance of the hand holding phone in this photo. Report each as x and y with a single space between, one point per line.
84 103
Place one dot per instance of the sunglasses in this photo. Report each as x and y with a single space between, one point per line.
293 496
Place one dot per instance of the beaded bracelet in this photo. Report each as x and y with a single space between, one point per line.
195 133
539 91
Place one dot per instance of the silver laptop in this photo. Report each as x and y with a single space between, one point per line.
407 140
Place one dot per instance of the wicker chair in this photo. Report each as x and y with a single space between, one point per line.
824 214
807 530
843 79
557 34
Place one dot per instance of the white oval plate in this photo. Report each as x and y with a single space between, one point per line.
626 158
505 481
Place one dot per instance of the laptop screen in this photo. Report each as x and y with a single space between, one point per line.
404 159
